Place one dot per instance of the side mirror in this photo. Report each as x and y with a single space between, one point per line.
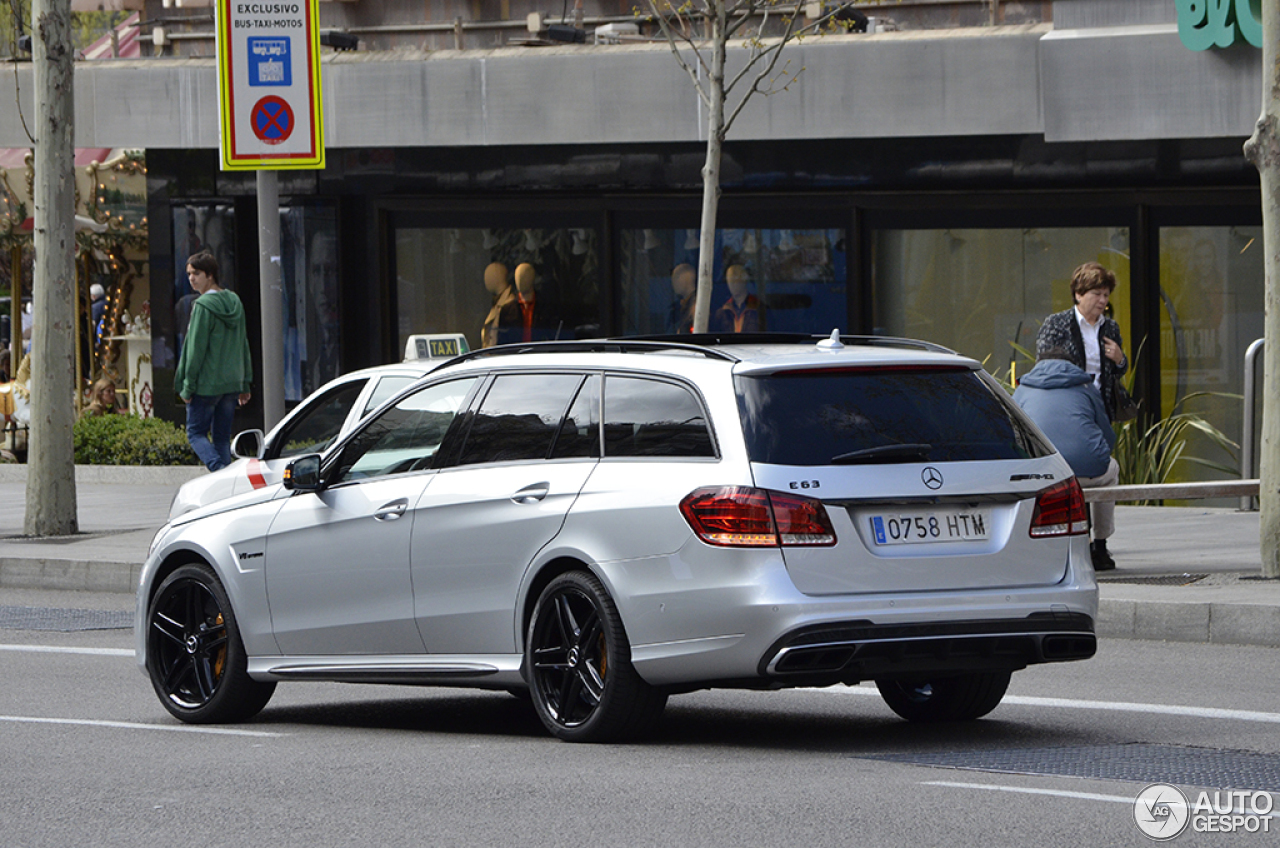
303 474
248 444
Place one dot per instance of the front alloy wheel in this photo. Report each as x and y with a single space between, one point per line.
579 666
195 658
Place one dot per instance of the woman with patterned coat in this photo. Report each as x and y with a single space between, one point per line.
1091 339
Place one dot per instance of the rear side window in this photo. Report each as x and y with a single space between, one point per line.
885 415
317 426
653 418
519 417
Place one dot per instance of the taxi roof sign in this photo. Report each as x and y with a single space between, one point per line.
435 346
269 85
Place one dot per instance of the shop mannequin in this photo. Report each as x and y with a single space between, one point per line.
741 312
504 301
527 300
684 285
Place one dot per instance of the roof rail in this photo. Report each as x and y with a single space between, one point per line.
621 345
713 339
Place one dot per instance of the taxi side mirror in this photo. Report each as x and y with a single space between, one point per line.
303 474
248 444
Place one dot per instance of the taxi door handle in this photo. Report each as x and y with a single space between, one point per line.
532 493
392 511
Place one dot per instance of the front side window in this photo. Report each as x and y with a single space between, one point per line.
519 417
406 436
653 418
387 386
881 415
315 428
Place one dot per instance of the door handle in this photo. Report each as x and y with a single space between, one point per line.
532 493
392 511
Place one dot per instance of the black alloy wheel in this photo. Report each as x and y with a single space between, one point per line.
578 663
961 697
195 658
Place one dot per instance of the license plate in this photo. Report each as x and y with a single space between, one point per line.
937 526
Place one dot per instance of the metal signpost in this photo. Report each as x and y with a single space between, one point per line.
270 119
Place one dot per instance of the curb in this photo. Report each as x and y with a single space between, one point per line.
69 575
1215 623
130 475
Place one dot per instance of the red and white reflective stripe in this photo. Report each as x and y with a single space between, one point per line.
255 474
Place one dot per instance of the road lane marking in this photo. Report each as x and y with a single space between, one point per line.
137 725
58 649
1115 706
1026 790
1062 793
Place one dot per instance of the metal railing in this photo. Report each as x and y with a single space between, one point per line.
1246 436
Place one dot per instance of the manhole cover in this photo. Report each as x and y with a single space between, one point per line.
63 620
1141 763
1154 579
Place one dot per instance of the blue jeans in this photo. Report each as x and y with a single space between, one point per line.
207 413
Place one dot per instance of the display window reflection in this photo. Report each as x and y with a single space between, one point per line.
196 229
763 280
311 325
1211 310
497 286
984 293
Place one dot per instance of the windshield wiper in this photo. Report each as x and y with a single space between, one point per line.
884 453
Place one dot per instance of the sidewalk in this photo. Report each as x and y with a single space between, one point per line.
1185 574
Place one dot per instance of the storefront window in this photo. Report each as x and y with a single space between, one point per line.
198 228
312 325
1211 310
763 280
984 293
522 284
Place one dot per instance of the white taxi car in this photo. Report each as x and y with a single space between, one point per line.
321 419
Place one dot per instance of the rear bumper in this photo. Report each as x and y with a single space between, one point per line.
737 620
861 650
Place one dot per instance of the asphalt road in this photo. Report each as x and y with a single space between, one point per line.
90 758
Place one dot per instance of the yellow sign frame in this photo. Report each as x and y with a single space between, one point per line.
236 119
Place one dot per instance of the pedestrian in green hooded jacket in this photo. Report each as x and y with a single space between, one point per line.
215 371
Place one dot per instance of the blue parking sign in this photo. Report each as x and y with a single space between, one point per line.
269 62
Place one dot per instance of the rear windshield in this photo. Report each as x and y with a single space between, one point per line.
881 415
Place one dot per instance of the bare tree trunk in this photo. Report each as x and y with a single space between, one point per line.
1263 150
51 484
711 170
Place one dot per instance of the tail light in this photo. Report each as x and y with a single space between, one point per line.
1060 511
745 517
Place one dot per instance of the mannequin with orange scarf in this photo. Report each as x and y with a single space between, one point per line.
741 312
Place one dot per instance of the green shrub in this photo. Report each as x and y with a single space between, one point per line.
130 440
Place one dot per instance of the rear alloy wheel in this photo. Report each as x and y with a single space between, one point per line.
578 663
959 698
195 658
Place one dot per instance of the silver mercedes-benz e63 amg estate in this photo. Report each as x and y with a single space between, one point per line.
603 524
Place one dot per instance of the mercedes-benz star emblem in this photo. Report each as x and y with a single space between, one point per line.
932 477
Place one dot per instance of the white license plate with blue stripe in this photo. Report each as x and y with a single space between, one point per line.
914 528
